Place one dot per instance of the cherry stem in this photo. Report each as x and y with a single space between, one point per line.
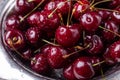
59 5
11 44
109 31
92 2
80 49
31 11
98 63
103 77
73 11
61 19
49 42
108 10
100 2
68 19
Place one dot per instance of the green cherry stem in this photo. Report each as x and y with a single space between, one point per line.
31 11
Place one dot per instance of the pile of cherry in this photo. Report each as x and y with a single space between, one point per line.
81 37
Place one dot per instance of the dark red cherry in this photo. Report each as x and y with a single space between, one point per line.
115 51
46 48
110 25
82 69
12 22
39 63
14 39
96 60
80 8
23 7
104 14
55 57
61 6
68 36
27 54
108 58
68 73
114 3
44 21
115 16
33 35
90 21
96 44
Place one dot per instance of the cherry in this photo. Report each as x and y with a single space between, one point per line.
55 57
107 56
14 39
33 35
104 14
90 21
23 6
41 20
115 16
115 51
110 25
27 54
68 73
39 63
114 3
68 36
95 60
82 69
80 8
12 22
46 48
96 44
59 6
36 2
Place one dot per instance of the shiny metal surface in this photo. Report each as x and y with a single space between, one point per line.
11 70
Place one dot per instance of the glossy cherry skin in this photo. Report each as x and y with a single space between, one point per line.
68 36
14 39
23 7
68 73
115 51
27 54
96 44
114 3
90 21
104 14
110 25
82 69
12 22
43 21
61 5
108 58
33 35
80 8
55 57
115 16
96 60
39 63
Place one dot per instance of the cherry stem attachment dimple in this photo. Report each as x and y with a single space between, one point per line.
31 11
109 31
